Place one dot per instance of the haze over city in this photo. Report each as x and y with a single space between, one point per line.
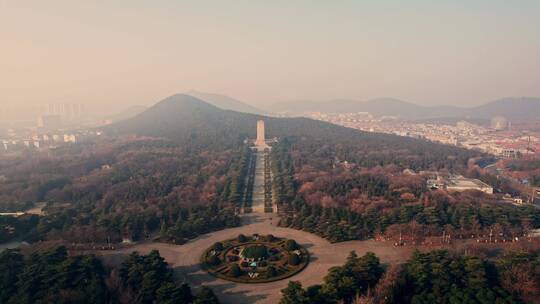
120 53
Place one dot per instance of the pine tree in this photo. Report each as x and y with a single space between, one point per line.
206 296
170 293
294 259
294 294
235 271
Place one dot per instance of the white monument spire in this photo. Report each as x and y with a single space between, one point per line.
261 141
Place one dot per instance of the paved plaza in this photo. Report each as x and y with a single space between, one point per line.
185 259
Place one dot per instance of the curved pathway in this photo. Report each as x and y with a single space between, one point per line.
185 259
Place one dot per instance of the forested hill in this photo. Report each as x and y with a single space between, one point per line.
182 117
197 124
186 118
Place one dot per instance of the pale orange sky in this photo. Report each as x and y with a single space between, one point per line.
137 52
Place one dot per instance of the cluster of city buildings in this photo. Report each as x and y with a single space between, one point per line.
56 125
18 140
497 139
54 114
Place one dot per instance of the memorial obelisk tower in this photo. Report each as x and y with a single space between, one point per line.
261 141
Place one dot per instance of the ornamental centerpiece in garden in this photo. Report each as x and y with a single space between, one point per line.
254 253
255 259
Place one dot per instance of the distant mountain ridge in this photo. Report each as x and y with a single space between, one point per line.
511 108
127 113
225 102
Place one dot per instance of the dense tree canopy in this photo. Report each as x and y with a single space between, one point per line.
117 189
342 283
461 219
431 277
51 276
436 277
342 201
149 278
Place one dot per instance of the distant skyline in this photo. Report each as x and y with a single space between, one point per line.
120 53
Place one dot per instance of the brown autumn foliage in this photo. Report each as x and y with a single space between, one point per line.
523 280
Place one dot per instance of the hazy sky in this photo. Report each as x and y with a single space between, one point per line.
136 52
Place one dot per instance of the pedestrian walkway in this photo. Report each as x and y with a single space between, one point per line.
258 186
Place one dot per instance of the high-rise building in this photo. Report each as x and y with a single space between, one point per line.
260 133
50 109
49 121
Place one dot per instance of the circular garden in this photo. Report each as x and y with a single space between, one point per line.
255 259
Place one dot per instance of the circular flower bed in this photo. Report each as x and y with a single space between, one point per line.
255 259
